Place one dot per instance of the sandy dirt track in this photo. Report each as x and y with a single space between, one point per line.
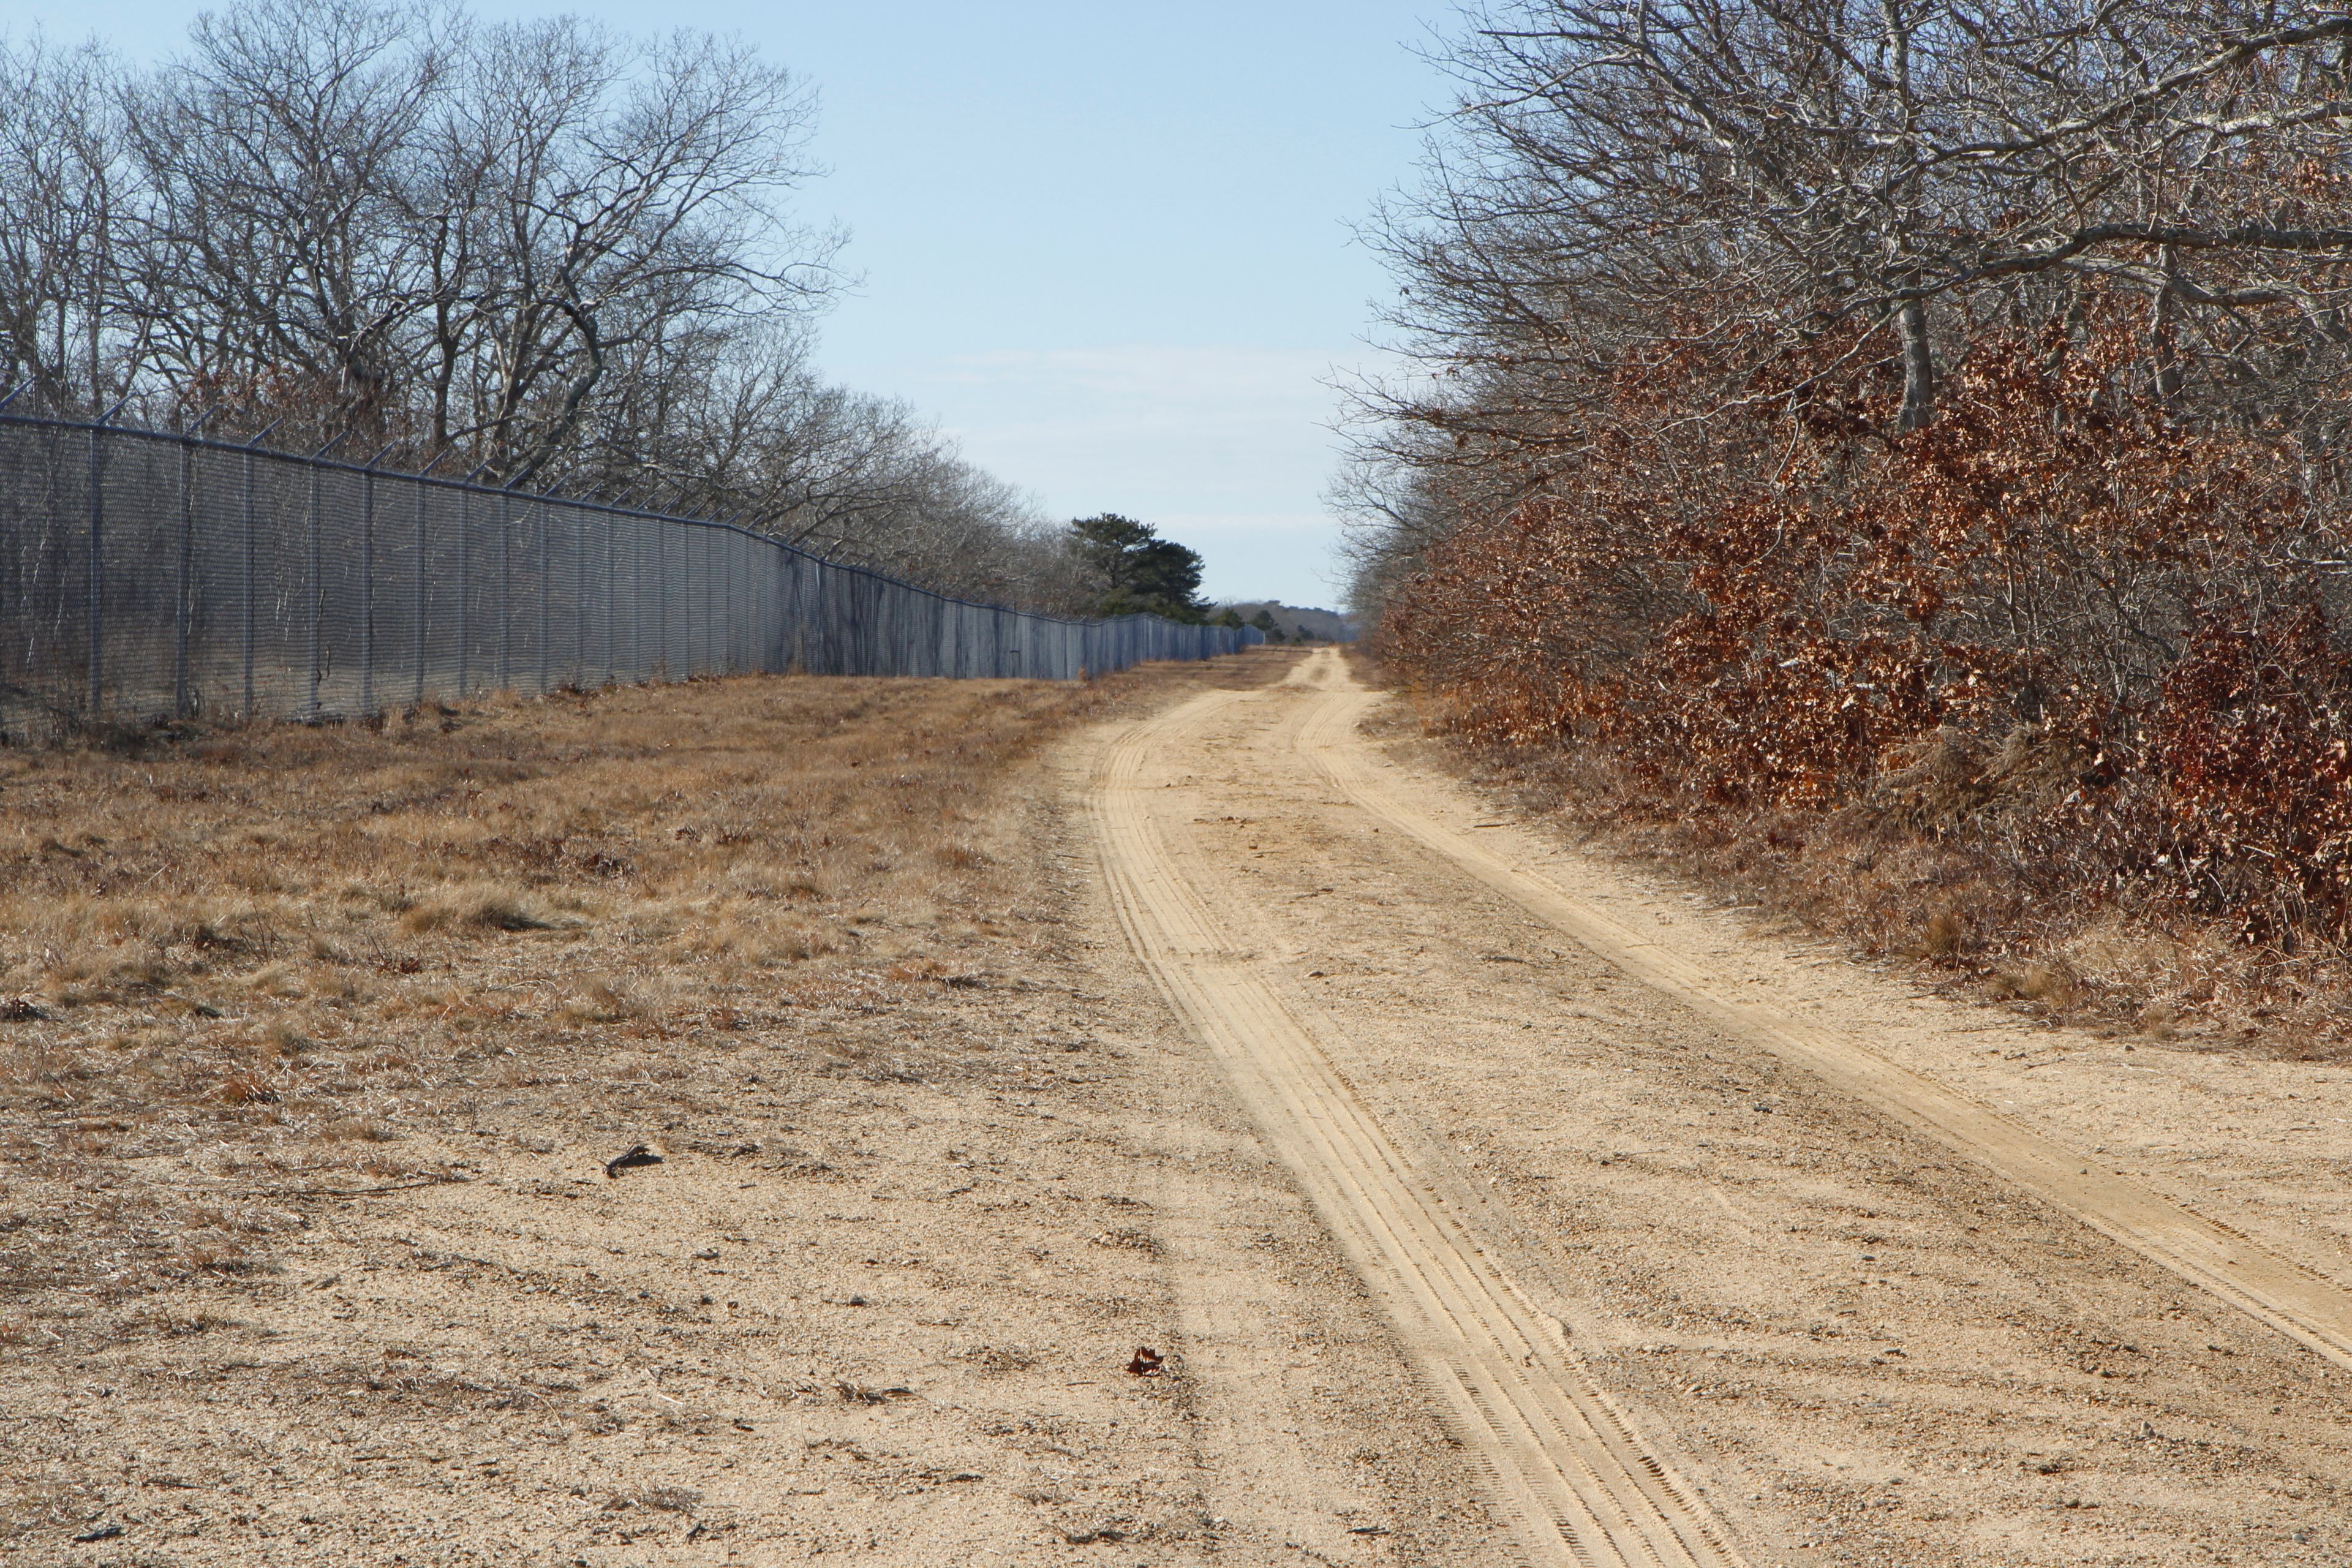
2291 1298
1578 1485
1779 1294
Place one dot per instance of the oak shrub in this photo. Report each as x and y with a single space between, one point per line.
2061 658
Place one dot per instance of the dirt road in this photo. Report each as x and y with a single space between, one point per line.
1486 1203
1710 1251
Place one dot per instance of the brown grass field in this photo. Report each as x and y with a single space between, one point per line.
279 960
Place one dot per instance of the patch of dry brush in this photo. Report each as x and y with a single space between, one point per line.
2050 692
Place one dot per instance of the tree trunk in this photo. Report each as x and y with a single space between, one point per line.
1918 365
2164 331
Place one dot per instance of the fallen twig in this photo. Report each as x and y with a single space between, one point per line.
360 1192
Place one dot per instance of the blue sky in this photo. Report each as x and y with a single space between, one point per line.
1107 245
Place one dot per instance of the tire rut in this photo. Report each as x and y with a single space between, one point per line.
1563 1466
2283 1294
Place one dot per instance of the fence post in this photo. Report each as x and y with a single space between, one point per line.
422 489
367 594
506 593
97 572
318 594
546 585
579 521
182 608
465 576
250 526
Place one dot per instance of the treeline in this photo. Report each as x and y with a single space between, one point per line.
539 253
1848 427
1292 623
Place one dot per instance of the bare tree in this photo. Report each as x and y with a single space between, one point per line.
602 195
62 202
543 253
272 262
1740 182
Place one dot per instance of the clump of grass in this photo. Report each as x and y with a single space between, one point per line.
2052 983
476 905
280 980
601 1002
247 1087
1942 934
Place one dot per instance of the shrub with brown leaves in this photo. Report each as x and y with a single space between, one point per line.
2061 633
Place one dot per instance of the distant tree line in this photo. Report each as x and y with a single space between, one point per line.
1811 401
543 253
1291 623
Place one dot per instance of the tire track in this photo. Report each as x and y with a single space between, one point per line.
1563 1466
2294 1301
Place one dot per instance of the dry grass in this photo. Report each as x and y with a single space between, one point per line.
242 966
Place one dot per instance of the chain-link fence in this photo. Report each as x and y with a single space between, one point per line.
145 574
